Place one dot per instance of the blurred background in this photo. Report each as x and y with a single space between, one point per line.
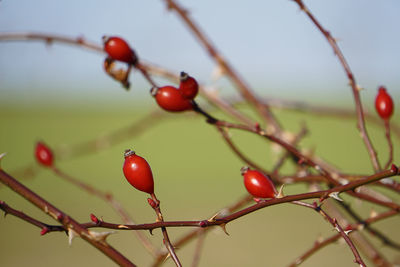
60 94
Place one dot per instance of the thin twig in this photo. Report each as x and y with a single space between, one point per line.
233 147
244 89
199 248
351 228
108 197
167 241
338 227
74 228
221 220
194 233
44 226
283 158
355 88
370 229
390 144
316 247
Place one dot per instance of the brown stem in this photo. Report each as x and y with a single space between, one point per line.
370 229
390 144
198 249
338 227
68 222
353 227
167 241
233 147
194 233
316 247
8 210
223 63
196 108
359 109
145 73
212 97
283 158
49 39
107 197
222 220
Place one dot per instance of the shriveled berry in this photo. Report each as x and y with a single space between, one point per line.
118 49
188 86
384 103
171 99
44 155
257 184
138 172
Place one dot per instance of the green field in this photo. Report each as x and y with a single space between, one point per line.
196 174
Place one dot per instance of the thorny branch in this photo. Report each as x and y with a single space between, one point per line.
355 88
74 228
244 89
338 227
319 244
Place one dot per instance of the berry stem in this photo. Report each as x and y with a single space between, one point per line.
108 198
352 81
210 119
390 144
167 241
146 75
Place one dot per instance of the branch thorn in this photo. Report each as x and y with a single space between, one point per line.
214 217
280 193
223 226
71 235
335 195
100 236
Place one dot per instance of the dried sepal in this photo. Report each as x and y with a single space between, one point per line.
117 74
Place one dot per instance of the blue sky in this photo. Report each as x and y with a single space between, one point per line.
271 43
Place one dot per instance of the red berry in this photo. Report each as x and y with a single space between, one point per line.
138 172
44 155
188 86
384 104
118 49
170 98
257 184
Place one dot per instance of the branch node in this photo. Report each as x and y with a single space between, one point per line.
393 168
44 230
